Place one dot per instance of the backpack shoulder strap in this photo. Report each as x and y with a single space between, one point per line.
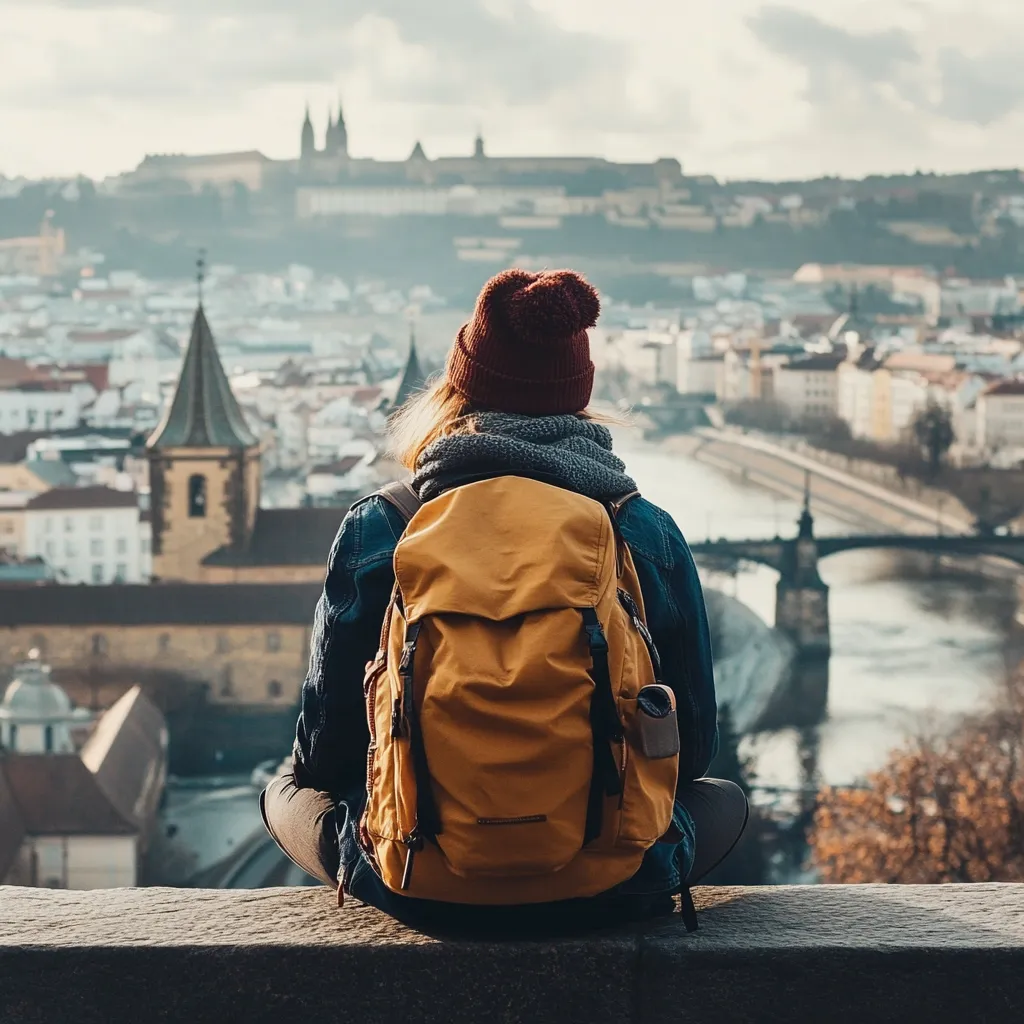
617 504
402 496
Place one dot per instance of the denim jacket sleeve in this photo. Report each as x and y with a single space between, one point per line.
331 738
677 618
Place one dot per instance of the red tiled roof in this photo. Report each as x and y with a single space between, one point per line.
83 497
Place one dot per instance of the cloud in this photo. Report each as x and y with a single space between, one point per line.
980 90
871 58
457 49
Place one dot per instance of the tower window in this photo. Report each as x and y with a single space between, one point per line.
274 689
99 644
197 496
48 739
273 641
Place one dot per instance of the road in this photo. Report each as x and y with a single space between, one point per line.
837 495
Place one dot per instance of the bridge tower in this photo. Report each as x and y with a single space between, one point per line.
801 596
801 612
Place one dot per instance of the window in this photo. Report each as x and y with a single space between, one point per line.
99 643
95 523
69 524
122 545
121 572
51 550
69 548
48 739
48 524
274 689
273 641
222 644
197 496
164 642
97 573
14 737
144 545
96 547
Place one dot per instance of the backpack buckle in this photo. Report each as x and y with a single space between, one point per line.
596 638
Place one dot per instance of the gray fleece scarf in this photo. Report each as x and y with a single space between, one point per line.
563 450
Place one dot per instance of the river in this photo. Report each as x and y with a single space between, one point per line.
911 641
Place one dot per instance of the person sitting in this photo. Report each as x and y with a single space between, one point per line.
510 705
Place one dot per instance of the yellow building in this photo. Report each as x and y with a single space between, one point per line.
37 254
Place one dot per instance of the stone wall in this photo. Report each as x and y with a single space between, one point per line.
237 665
836 954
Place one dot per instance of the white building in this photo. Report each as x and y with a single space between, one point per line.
1000 417
700 374
30 407
144 361
808 387
855 399
90 534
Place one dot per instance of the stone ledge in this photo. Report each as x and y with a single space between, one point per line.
828 953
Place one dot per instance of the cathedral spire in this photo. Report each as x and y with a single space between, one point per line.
308 148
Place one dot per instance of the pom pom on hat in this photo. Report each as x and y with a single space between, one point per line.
526 349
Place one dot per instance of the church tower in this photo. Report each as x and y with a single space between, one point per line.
204 466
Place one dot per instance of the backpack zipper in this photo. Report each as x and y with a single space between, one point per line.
633 610
413 844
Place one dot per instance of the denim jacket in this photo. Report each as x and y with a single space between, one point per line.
332 736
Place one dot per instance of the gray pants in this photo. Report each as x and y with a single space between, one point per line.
302 822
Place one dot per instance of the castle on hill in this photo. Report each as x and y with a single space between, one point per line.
332 164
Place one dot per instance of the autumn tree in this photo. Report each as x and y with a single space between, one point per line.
945 808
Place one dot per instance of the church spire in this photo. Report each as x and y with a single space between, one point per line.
341 132
204 412
413 377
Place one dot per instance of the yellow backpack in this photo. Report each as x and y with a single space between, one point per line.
513 758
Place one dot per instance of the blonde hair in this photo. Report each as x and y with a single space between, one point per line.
441 411
436 412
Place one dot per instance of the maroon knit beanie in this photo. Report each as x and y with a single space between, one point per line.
526 349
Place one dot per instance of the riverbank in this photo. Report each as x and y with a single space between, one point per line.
850 498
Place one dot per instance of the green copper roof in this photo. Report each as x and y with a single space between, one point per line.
203 412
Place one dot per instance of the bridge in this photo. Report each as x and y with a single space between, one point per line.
801 596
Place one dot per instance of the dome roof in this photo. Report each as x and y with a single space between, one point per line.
32 695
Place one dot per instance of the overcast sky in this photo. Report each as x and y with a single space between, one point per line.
735 88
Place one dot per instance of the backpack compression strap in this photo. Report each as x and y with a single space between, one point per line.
402 496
